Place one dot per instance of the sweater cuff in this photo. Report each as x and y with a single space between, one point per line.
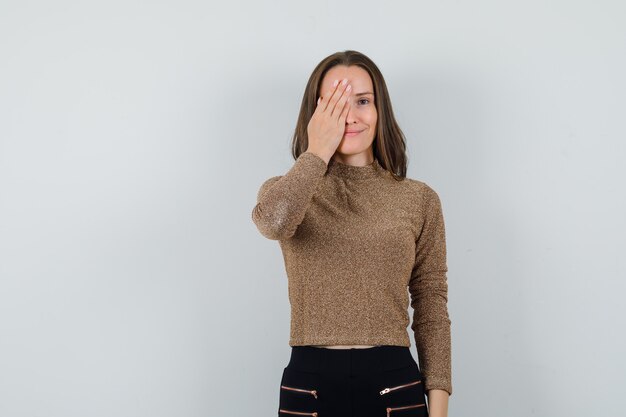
314 160
438 383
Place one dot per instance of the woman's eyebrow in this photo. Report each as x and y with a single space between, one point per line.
364 93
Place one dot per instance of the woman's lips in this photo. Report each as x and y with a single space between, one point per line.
350 134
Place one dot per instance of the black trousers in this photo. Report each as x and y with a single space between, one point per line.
382 381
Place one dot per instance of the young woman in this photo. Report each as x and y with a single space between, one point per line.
355 233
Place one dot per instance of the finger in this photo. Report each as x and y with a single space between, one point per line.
338 91
328 95
319 107
344 112
341 102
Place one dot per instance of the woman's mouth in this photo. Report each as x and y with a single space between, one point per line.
349 134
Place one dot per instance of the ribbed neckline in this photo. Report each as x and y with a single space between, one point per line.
353 172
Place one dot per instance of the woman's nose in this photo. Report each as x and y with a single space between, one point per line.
351 117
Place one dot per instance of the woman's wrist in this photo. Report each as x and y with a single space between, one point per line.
437 402
320 154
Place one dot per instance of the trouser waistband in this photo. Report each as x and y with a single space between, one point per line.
350 361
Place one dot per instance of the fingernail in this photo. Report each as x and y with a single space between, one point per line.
336 83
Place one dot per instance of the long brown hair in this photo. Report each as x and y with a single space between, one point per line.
389 144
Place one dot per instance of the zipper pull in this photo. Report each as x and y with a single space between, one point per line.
312 392
386 390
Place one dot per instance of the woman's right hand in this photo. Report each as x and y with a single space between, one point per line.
328 123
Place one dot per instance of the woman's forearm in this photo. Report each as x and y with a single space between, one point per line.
437 403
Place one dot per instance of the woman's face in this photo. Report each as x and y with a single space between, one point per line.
362 115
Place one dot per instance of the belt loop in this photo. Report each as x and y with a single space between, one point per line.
322 362
384 359
380 357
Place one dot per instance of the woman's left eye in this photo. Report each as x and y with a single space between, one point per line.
364 99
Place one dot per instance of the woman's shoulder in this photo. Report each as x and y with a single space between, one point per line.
416 187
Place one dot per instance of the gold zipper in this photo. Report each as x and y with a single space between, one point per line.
386 390
312 392
390 409
314 413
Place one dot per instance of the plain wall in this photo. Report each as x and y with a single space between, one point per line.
134 137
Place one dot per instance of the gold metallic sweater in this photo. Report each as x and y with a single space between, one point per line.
353 239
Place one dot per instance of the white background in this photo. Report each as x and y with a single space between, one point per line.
134 137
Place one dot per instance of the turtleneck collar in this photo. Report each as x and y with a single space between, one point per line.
353 172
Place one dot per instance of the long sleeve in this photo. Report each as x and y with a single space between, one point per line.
282 201
428 288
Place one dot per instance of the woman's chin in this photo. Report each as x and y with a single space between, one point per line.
349 147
